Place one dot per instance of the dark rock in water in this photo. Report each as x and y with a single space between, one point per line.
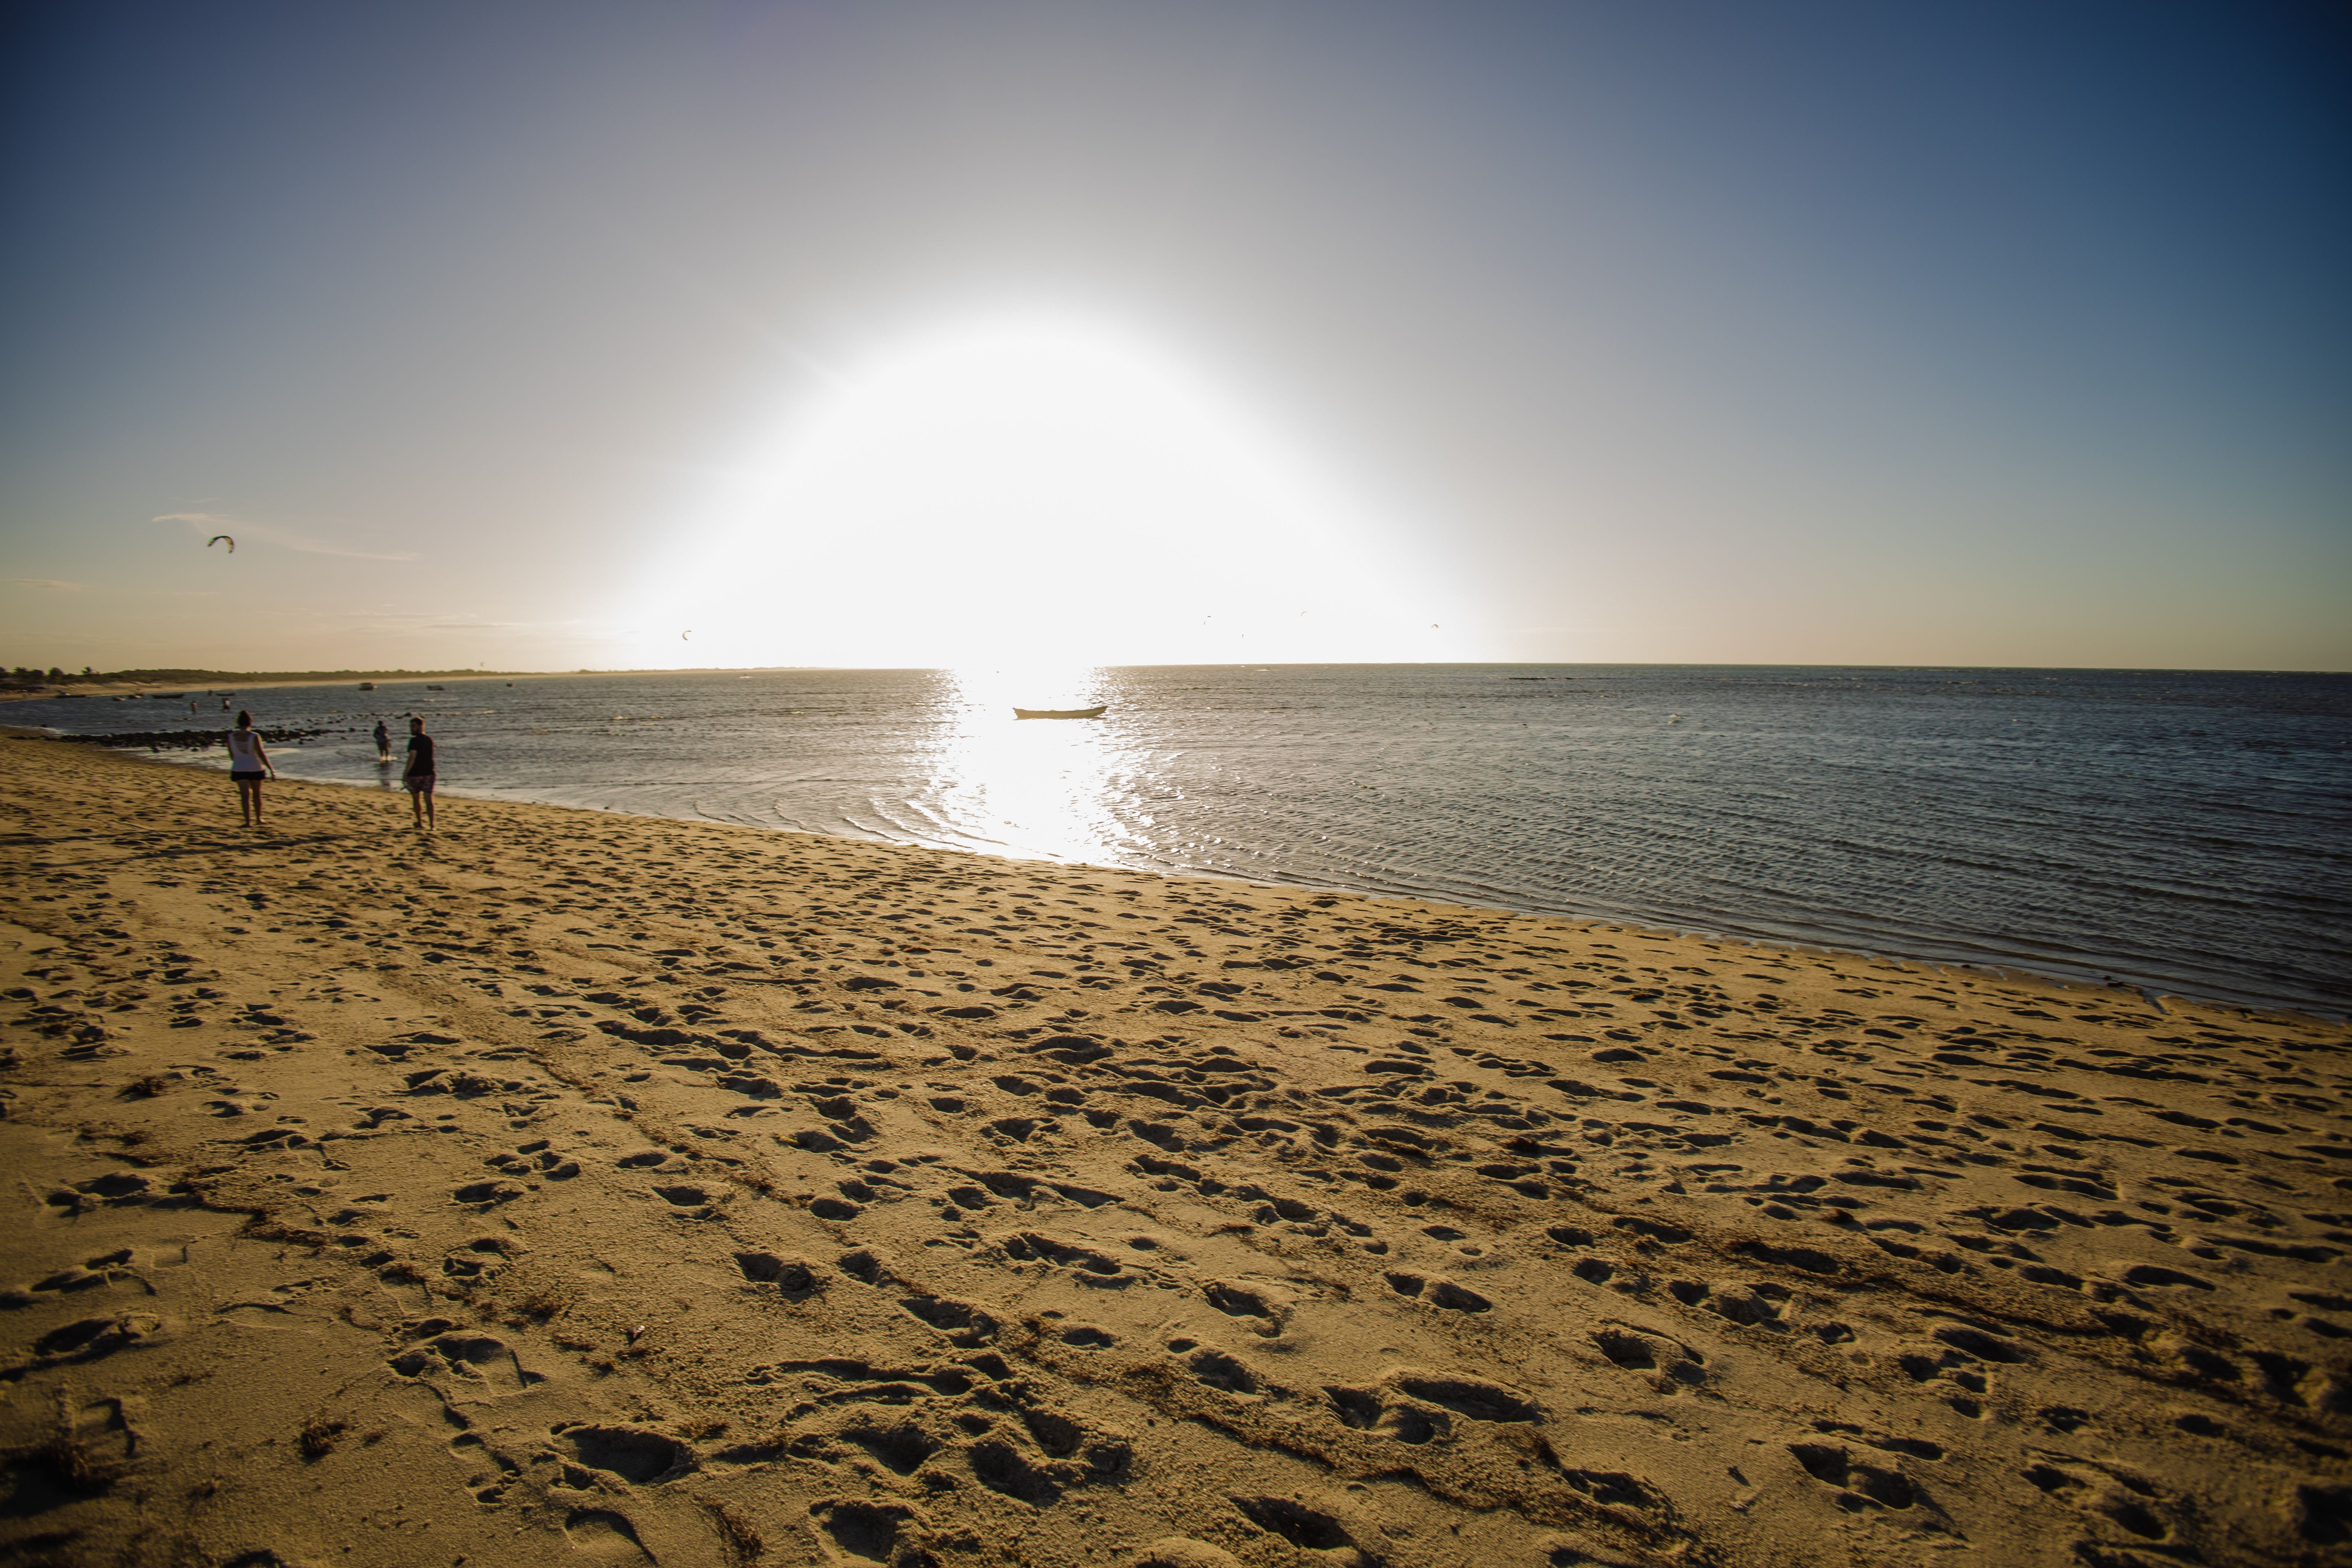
186 740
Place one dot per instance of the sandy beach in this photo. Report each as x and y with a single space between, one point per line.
571 1186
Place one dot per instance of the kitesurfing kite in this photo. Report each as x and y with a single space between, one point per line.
686 636
221 539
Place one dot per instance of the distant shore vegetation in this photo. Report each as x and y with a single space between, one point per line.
27 676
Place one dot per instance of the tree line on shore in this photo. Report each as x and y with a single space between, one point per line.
25 676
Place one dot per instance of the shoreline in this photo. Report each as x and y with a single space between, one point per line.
572 1180
2152 994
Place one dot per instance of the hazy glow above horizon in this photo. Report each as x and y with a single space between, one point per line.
1029 489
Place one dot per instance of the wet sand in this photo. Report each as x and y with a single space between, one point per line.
571 1186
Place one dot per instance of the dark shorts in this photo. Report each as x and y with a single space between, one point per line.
419 783
247 775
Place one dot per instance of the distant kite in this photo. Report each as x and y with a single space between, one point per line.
686 635
221 539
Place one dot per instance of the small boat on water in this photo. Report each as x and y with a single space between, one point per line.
367 686
1059 712
434 689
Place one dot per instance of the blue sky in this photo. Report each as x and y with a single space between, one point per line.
1995 334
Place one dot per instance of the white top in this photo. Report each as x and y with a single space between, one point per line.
244 751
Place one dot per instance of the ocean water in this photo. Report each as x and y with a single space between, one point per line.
2187 832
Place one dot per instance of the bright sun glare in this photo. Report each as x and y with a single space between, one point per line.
1034 491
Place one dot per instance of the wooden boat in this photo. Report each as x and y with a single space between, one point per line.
1058 712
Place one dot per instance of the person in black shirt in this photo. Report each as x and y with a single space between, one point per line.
383 742
418 775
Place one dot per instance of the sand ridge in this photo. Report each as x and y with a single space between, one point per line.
571 1184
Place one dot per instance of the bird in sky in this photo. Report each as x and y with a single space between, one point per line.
221 539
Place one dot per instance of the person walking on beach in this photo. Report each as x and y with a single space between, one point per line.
418 775
248 765
383 742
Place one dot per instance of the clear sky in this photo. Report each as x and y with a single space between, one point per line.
549 335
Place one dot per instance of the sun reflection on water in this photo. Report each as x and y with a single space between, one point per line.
1038 786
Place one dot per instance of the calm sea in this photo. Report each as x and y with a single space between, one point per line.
2183 831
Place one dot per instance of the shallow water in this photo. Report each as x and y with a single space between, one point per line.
2187 832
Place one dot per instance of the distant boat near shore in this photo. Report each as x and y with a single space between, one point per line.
1059 712
367 686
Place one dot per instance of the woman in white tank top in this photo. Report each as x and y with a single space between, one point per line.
248 765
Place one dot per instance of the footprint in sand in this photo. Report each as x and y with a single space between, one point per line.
1307 1528
1087 1265
966 1326
93 1338
482 1196
482 1485
481 1363
1436 1292
1637 1349
695 1200
790 1277
95 1442
869 1531
605 1536
103 1272
901 1448
1380 1412
1217 1369
1858 1485
1270 1313
536 1158
1757 1306
2105 1489
481 1259
867 1267
637 1455
1467 1396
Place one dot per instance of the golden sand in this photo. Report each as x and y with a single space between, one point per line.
575 1187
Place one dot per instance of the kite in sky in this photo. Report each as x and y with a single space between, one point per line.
220 538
